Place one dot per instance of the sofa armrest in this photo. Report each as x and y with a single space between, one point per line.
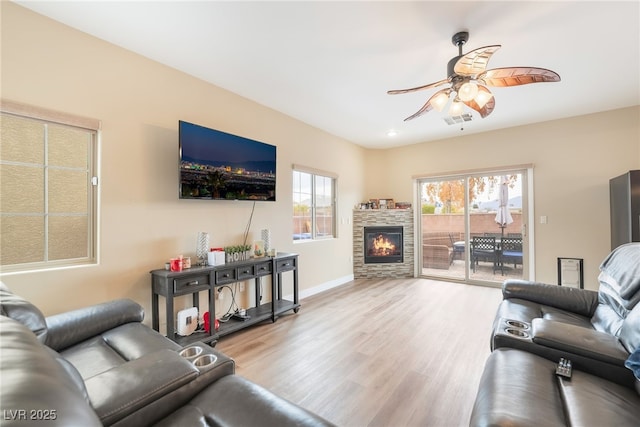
580 301
516 390
580 341
240 402
72 327
164 405
122 390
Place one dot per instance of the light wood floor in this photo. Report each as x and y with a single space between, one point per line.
387 352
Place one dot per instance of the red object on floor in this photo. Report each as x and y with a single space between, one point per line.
207 325
207 322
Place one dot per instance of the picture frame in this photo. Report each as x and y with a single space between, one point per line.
387 204
571 272
402 205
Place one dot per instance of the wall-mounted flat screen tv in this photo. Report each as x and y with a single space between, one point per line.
216 165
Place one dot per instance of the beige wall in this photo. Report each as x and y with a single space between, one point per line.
573 161
142 221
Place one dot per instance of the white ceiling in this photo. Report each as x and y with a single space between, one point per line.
330 63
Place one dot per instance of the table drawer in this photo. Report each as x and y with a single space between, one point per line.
227 275
263 268
286 264
245 272
188 284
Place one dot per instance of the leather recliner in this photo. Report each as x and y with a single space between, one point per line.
520 389
100 365
599 332
596 330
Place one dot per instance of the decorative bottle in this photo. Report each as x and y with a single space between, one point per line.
202 248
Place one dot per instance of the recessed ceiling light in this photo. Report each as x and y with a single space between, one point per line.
392 133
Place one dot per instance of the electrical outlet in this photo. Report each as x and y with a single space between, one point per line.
241 286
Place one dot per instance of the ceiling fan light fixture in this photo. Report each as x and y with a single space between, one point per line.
456 108
467 74
468 91
483 97
439 101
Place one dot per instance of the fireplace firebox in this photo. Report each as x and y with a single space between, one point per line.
383 245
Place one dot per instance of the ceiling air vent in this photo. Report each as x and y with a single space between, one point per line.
452 120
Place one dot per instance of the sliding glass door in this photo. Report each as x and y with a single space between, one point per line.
473 226
443 227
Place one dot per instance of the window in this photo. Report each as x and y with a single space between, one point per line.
48 189
314 204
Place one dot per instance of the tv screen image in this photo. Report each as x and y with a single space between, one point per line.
216 165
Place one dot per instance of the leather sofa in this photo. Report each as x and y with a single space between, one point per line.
537 324
101 365
596 330
519 389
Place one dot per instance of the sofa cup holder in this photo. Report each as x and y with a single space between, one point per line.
191 352
517 324
205 361
516 332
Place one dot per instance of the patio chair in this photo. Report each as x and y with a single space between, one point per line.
511 250
485 248
458 250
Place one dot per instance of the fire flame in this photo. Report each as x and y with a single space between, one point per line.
383 246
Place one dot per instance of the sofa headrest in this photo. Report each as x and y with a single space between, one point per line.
23 311
622 268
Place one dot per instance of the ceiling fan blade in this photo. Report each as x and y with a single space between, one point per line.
515 76
487 108
425 109
414 89
475 62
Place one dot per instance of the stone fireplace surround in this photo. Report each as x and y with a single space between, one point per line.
380 218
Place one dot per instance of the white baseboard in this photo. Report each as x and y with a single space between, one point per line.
322 287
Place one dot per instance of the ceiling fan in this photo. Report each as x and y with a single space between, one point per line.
468 78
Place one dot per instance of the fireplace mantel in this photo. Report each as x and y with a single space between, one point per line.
380 218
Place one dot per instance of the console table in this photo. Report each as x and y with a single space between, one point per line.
171 284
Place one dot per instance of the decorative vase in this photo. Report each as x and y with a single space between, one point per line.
258 248
266 238
202 248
